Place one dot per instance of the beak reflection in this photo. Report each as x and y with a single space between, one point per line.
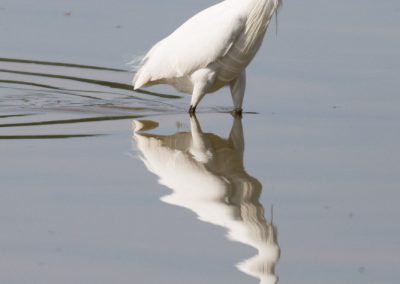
206 175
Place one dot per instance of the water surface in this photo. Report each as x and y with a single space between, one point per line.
100 184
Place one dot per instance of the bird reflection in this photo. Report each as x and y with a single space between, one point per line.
207 176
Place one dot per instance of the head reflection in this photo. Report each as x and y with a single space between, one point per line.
207 176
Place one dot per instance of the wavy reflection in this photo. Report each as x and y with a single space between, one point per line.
207 176
47 99
59 64
109 84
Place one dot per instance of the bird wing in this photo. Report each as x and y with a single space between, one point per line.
200 41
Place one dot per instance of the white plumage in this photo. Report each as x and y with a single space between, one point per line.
210 50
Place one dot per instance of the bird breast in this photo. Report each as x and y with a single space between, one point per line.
246 45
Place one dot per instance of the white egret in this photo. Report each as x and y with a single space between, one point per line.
210 50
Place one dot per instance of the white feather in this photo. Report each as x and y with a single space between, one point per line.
223 38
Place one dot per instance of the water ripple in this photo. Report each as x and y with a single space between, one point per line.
37 93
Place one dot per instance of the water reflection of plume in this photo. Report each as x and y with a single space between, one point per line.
206 175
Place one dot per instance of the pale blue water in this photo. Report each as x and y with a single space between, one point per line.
77 205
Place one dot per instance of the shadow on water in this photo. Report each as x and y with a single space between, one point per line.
206 175
16 60
114 85
41 137
71 121
46 92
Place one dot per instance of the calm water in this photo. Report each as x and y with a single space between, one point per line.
100 184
